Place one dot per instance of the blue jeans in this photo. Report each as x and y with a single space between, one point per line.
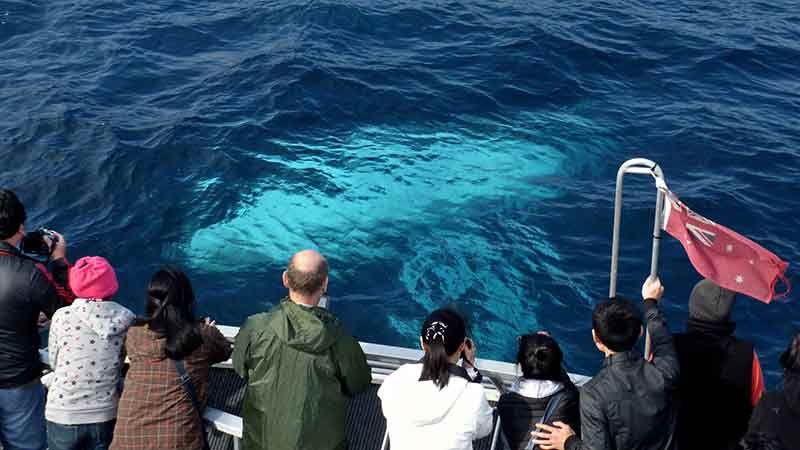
89 436
22 418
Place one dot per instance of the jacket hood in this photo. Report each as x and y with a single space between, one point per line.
307 329
536 388
106 319
420 403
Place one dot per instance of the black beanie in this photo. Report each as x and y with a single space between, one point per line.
710 302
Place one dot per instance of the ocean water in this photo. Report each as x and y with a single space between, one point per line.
438 152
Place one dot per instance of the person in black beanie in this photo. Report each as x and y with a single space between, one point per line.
721 379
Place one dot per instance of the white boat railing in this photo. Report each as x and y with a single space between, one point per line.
382 359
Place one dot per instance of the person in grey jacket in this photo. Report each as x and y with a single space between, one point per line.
86 342
629 403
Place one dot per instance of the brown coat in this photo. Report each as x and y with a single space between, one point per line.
155 413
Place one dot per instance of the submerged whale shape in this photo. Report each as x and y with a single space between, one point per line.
427 198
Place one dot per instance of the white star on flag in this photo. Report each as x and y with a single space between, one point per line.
739 279
729 248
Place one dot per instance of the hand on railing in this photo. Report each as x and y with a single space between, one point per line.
652 289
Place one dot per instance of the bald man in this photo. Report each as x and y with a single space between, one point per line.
301 366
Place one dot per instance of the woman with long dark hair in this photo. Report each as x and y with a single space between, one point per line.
155 410
777 414
543 389
437 404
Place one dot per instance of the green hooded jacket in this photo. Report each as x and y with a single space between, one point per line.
301 367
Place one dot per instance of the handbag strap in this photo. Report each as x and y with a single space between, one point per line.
188 386
549 411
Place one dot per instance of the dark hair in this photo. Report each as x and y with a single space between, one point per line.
308 282
617 322
443 332
790 359
760 441
540 357
170 312
12 214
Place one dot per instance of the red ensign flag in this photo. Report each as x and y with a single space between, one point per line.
724 256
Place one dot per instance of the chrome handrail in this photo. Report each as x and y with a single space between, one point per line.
639 166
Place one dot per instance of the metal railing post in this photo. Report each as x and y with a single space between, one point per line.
496 434
646 167
612 287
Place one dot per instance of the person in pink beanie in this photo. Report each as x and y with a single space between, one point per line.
86 342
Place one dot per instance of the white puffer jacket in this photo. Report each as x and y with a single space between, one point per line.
421 416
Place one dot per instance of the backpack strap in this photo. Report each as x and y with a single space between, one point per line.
188 386
549 412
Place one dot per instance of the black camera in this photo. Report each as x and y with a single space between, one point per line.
34 243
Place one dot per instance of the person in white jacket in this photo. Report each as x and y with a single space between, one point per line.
85 345
437 405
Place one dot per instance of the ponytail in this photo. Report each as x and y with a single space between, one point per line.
435 365
443 333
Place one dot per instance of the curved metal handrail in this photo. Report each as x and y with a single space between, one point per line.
639 166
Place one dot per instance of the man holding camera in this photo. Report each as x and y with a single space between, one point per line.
27 290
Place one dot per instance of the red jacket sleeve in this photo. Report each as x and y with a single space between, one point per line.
757 383
58 279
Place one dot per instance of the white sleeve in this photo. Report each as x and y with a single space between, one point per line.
386 395
483 417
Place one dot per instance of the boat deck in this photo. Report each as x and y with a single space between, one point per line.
365 423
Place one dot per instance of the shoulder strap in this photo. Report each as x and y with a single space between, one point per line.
188 386
549 411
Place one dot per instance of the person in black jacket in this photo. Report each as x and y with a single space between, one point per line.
27 290
760 441
721 379
629 404
543 382
778 413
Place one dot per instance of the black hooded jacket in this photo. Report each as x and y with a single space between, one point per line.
778 413
26 289
715 386
629 404
520 414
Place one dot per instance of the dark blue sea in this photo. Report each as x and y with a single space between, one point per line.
438 152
